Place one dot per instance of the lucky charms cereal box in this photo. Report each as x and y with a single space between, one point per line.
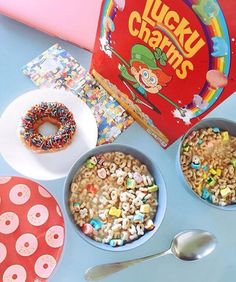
168 63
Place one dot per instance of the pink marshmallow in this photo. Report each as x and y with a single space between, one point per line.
120 4
216 79
87 229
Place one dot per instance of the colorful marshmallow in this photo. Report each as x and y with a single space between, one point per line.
225 135
213 171
216 130
152 188
233 162
199 141
138 217
211 181
108 24
87 229
199 102
145 208
116 242
90 164
120 4
220 48
216 79
185 147
100 159
96 224
206 10
115 212
76 206
195 162
130 183
225 192
91 188
137 177
205 194
205 167
102 173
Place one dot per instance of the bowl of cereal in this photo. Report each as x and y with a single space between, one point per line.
115 197
206 161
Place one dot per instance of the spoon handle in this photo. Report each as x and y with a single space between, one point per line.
100 271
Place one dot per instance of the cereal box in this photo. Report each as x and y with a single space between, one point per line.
168 63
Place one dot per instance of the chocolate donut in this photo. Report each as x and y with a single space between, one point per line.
52 112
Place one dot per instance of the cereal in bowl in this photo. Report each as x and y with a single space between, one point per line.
208 161
113 198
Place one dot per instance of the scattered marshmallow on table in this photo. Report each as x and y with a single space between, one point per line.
114 198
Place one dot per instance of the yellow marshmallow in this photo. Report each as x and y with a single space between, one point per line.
225 192
145 208
212 171
115 212
225 135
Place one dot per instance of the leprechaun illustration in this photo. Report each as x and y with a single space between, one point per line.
144 74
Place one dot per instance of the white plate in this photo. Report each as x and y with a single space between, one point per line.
46 166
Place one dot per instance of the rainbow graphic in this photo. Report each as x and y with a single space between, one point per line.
109 10
217 28
173 38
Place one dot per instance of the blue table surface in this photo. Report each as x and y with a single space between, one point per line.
19 45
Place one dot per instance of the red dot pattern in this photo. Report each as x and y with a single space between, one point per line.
28 252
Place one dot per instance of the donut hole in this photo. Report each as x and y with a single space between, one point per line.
14 276
56 236
45 266
38 214
48 128
19 194
7 222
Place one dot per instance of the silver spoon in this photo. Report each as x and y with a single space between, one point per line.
187 245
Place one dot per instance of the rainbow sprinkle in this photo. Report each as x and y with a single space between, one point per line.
54 112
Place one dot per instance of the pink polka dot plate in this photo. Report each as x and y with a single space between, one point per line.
31 231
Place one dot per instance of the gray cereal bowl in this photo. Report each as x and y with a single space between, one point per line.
153 169
221 123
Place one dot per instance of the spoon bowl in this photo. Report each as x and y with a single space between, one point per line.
188 245
193 244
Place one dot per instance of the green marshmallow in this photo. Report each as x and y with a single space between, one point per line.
89 164
130 183
233 162
153 188
185 148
